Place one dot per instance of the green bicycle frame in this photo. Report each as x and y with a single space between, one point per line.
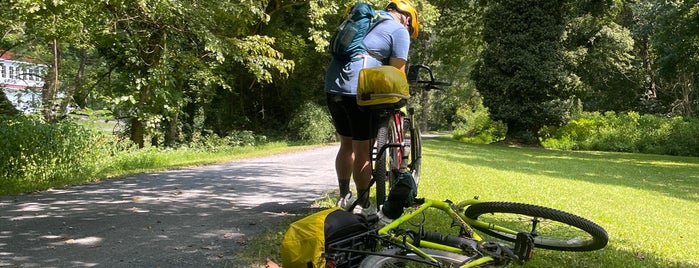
455 211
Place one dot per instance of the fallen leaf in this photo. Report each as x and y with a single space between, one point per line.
70 241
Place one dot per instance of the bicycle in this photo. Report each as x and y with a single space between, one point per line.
400 137
510 230
521 226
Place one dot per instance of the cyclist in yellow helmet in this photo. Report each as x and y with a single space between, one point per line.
387 43
409 15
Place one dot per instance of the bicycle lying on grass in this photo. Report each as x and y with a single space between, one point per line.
519 228
509 232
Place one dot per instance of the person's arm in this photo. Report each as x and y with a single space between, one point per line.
398 63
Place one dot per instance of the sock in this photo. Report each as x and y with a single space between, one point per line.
344 187
363 197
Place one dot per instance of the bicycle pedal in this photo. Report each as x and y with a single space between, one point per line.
524 246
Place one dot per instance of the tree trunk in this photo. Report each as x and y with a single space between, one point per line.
171 130
76 92
652 92
48 94
137 131
137 127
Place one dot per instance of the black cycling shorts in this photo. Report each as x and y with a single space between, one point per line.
350 120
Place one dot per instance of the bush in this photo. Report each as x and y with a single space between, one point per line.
475 126
627 132
36 155
214 143
311 124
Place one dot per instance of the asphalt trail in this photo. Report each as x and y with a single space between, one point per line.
181 218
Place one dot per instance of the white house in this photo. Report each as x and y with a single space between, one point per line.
21 80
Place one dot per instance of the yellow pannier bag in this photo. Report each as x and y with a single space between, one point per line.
307 242
304 242
382 85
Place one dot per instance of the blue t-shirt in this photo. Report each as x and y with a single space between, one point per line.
388 39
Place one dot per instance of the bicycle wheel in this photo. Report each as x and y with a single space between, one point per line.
447 259
412 137
381 168
551 228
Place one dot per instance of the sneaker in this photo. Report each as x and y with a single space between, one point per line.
366 211
346 201
383 220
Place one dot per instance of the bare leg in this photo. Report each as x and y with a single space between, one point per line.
362 169
343 164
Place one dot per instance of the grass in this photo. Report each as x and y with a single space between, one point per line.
156 160
647 203
151 160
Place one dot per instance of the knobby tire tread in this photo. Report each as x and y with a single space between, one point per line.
380 165
598 234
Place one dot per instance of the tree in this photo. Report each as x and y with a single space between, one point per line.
600 53
520 74
172 53
676 42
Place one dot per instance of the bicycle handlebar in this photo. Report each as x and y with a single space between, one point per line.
414 77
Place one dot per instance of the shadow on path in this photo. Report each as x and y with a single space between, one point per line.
181 218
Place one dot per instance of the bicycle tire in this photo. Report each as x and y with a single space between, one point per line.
553 229
447 258
415 141
380 172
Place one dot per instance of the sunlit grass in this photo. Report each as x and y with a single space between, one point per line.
148 160
145 160
647 203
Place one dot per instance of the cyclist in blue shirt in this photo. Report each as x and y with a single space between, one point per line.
388 44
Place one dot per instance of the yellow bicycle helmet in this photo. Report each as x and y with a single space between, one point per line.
404 6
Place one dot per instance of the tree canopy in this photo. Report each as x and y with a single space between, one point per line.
175 69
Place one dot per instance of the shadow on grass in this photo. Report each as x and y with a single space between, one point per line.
677 177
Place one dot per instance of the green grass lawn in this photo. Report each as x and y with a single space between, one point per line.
647 203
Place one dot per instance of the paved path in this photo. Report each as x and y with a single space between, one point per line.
182 218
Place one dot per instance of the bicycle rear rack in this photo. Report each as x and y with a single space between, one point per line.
350 251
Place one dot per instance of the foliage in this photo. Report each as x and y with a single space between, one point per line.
214 143
174 71
475 126
36 155
311 124
520 74
6 107
626 132
677 44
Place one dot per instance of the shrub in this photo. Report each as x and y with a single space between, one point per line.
311 124
36 155
212 142
475 126
627 132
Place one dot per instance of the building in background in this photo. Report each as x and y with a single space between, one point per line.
21 80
